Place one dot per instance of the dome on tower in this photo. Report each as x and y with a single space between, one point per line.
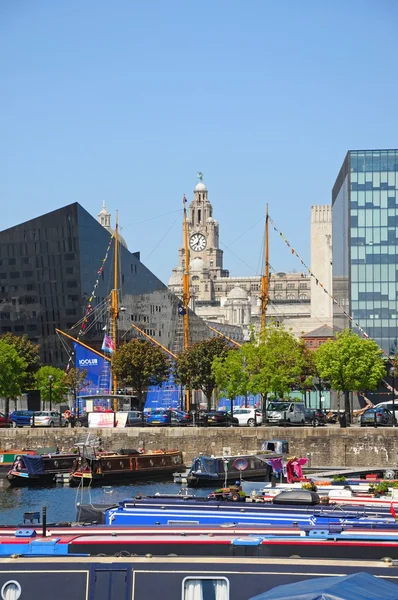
200 187
209 220
237 293
176 276
197 264
104 218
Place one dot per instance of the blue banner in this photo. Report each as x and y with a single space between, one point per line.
167 395
98 371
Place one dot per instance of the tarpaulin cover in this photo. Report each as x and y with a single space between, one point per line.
34 464
93 513
358 586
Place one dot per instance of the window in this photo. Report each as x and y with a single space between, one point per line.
14 274
19 328
279 286
290 286
205 587
290 297
28 273
303 297
71 284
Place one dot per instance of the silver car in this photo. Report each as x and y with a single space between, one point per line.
47 418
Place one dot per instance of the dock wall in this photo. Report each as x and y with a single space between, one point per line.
327 445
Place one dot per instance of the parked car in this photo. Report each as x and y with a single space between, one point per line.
167 417
249 417
315 415
378 415
47 418
218 418
4 420
134 419
21 418
81 421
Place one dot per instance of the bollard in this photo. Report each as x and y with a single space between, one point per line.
284 420
375 420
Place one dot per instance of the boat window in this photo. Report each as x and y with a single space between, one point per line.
205 588
278 406
209 465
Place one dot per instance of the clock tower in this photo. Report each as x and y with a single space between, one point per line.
206 258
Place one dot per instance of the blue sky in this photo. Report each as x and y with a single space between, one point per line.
126 101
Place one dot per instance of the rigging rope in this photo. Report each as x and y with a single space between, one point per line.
89 309
320 284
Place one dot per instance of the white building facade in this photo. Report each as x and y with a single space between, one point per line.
224 300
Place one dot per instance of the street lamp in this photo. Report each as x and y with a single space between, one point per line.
50 379
392 373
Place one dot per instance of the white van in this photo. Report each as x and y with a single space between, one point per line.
285 410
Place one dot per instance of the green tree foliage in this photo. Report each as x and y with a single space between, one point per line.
351 364
308 367
230 374
30 354
275 361
12 373
193 367
57 385
139 364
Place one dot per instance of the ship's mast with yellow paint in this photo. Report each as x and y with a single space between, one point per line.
115 302
265 278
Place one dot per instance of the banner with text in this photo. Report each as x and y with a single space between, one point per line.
98 370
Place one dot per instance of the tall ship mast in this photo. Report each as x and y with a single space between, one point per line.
186 292
115 301
265 277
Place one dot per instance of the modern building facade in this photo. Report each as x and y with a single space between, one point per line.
52 274
294 299
365 249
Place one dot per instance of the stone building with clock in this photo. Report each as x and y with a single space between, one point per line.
294 298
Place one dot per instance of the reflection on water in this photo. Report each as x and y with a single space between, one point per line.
61 500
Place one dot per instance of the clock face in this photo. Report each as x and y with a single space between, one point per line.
197 243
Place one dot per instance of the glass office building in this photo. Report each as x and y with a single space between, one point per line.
365 250
48 272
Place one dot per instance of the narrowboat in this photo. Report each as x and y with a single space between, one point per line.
7 458
31 469
313 541
123 466
301 507
168 577
212 470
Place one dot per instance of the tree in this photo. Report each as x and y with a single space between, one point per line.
75 381
230 374
351 364
193 367
139 364
30 354
51 390
12 373
275 361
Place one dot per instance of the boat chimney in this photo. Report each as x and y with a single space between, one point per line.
44 521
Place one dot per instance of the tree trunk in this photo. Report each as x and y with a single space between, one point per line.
7 407
347 410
